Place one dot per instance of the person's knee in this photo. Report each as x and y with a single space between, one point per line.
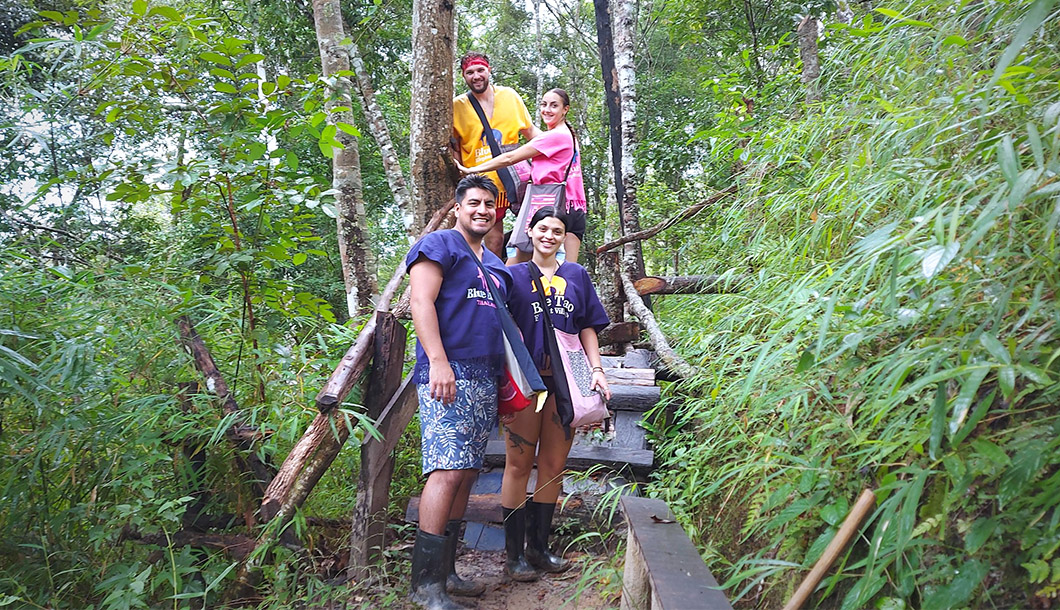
551 464
447 478
519 467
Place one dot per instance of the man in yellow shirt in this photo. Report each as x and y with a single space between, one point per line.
508 118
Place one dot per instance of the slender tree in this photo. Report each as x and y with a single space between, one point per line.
357 258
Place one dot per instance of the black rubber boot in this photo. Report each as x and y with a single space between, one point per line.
429 572
514 537
538 529
453 583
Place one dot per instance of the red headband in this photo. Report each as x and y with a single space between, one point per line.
473 61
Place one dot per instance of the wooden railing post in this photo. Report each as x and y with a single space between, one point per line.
368 531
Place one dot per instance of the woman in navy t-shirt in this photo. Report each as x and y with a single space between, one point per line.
573 307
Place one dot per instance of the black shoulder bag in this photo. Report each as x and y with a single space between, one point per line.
513 185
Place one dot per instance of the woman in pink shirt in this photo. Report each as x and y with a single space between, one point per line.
553 156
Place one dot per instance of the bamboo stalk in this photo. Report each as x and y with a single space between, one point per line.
865 502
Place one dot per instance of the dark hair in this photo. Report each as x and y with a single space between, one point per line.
546 212
566 102
475 181
472 55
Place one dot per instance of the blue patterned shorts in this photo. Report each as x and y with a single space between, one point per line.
453 436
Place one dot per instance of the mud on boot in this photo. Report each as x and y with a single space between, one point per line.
538 530
515 564
429 573
455 585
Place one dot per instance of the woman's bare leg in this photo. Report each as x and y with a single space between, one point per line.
520 445
553 448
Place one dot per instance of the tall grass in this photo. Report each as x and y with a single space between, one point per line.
900 330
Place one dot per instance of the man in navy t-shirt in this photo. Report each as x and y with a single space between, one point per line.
459 356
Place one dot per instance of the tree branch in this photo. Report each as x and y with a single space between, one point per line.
658 340
666 224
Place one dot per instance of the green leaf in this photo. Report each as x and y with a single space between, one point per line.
249 58
350 129
995 349
139 7
53 15
221 73
166 11
216 58
1035 18
224 88
965 581
1025 466
299 258
99 29
938 421
863 590
1006 378
956 40
978 534
966 396
806 361
1006 158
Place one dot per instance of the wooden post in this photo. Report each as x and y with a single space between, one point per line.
367 535
865 502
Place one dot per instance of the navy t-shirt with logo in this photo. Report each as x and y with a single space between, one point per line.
467 318
571 298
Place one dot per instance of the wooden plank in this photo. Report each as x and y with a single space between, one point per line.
634 397
613 362
584 457
616 376
638 359
368 529
628 433
677 577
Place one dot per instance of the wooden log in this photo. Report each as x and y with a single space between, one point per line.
628 432
634 397
237 546
666 224
663 570
857 514
621 332
368 529
240 434
616 376
638 359
687 284
658 339
609 287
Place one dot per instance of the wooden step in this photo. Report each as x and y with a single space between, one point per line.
634 397
623 376
584 457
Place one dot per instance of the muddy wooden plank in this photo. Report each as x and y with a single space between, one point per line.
662 564
628 432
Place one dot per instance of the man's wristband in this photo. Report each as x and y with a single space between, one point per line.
598 368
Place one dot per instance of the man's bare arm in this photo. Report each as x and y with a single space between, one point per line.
425 280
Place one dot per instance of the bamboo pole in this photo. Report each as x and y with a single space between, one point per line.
865 502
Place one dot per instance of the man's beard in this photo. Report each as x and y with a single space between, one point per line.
485 86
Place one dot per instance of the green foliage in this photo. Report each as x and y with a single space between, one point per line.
898 331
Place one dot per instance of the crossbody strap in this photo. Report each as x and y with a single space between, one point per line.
559 376
495 147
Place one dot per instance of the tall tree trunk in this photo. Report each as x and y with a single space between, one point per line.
373 115
811 66
623 28
358 260
431 120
